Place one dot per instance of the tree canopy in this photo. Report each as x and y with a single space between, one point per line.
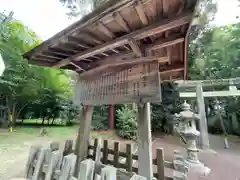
23 85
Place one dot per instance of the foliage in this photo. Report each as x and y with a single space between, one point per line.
100 118
69 112
80 8
214 54
127 122
162 113
26 89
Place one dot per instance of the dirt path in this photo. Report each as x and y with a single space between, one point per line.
14 156
224 163
14 150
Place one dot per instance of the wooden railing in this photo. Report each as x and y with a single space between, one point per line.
59 163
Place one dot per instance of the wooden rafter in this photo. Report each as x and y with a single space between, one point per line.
173 69
47 56
44 59
169 50
137 35
135 47
140 11
56 52
165 43
113 58
76 40
77 66
165 7
105 30
121 22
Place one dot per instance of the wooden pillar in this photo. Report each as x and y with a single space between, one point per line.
144 141
204 140
111 116
81 147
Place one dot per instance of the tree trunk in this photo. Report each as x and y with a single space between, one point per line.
43 119
223 128
54 117
14 116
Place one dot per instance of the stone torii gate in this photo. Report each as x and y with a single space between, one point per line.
200 94
122 52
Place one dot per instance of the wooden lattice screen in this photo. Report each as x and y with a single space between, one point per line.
121 85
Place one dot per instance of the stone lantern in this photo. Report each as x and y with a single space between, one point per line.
187 129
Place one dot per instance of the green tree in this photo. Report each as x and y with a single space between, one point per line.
23 85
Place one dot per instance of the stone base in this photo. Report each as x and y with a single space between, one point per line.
198 168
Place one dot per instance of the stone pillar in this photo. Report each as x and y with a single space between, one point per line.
204 140
111 116
144 141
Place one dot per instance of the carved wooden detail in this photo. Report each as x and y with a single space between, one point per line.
139 82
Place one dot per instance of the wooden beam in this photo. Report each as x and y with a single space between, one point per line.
74 40
158 27
55 51
114 50
81 147
121 22
92 37
165 43
99 14
105 54
44 59
125 62
117 57
144 141
171 70
136 49
141 13
105 30
64 48
48 56
181 7
77 66
165 8
168 50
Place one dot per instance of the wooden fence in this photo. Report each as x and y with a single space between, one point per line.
52 163
114 156
59 163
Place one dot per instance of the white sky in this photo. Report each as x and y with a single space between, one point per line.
47 17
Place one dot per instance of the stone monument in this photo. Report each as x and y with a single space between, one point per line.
187 129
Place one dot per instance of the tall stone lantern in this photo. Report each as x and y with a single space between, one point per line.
187 129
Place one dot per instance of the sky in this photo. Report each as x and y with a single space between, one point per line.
47 17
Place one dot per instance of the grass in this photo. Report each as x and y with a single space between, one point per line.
60 133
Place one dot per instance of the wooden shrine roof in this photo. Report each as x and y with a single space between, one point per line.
123 32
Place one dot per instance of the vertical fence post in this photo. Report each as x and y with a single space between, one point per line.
129 160
160 164
116 154
105 152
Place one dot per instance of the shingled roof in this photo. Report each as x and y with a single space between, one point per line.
123 32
